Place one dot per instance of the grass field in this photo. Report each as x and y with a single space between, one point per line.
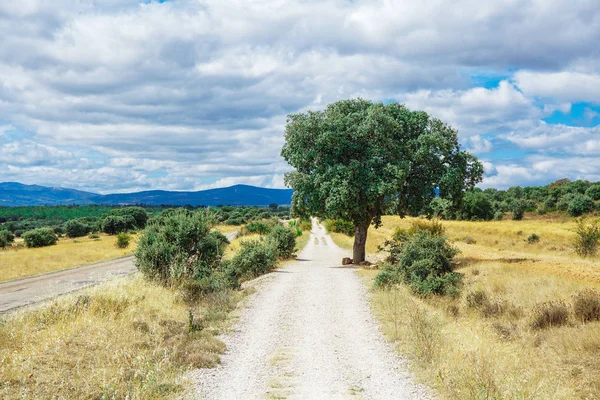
19 262
485 344
124 339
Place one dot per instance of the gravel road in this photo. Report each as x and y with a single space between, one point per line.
308 333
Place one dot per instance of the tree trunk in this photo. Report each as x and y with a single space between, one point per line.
360 241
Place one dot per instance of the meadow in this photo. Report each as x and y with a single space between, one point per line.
492 341
19 262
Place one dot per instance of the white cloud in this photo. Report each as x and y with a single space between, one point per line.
564 85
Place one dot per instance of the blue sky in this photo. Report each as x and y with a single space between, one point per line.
123 95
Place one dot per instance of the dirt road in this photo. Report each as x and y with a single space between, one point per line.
308 333
22 292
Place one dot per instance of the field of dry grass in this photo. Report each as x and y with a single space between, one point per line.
487 343
124 339
19 262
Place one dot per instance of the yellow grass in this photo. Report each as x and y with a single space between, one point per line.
236 243
468 355
302 241
18 262
124 339
227 228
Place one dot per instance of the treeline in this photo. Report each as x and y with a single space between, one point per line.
42 226
573 197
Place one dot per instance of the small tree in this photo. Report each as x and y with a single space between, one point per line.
579 205
518 208
588 236
123 240
358 160
75 228
6 238
40 237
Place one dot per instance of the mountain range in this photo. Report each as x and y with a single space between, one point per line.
13 194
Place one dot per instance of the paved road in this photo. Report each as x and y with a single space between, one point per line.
22 292
308 333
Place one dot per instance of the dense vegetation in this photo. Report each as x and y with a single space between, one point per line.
78 221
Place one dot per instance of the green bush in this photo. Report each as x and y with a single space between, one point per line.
234 221
76 228
477 206
587 239
579 205
137 216
284 241
6 239
339 226
180 246
114 224
518 208
533 238
254 258
305 225
40 237
123 240
593 192
424 261
498 215
257 227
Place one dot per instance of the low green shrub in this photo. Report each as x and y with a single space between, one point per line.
40 237
283 240
587 238
256 227
518 208
424 261
305 225
580 204
533 238
75 228
180 246
6 238
339 226
586 305
254 258
123 240
498 216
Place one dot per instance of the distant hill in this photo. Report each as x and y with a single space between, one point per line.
14 194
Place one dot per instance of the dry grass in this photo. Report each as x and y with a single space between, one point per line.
486 343
302 241
227 228
19 262
124 339
236 243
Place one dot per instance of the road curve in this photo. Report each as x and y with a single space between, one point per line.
308 333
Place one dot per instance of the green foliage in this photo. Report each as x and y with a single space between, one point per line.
441 208
123 240
137 214
76 228
498 215
40 237
579 205
283 240
254 258
533 238
114 224
305 225
518 208
587 239
593 192
358 160
424 261
257 227
477 206
180 246
339 226
6 238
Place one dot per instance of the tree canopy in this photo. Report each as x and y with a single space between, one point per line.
358 160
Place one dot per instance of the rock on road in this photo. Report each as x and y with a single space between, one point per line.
308 333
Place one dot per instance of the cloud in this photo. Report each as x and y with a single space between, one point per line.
125 94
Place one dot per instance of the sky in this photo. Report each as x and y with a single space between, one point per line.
126 95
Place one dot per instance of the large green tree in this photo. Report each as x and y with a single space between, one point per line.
359 160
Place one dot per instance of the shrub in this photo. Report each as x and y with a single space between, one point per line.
180 246
93 236
40 237
6 238
305 225
386 278
339 226
234 221
254 258
477 206
593 192
533 238
137 216
283 240
518 208
75 228
257 227
579 205
424 262
123 240
113 224
498 215
470 240
550 314
588 236
480 301
586 305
